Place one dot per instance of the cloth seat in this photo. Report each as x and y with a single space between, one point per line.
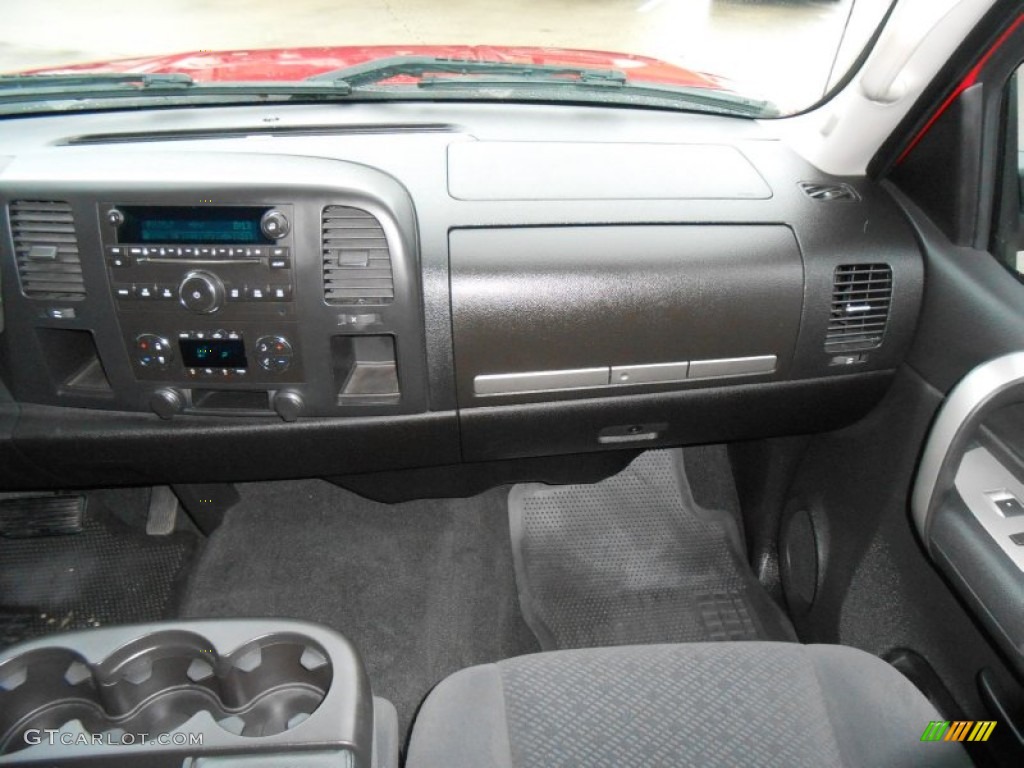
701 704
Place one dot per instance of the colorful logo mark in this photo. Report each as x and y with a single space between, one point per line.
958 730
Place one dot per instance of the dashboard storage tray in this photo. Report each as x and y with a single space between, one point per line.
172 693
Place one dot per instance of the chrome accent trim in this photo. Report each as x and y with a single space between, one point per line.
980 474
972 393
539 381
732 366
655 373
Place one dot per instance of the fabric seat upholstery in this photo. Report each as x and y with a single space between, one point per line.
701 704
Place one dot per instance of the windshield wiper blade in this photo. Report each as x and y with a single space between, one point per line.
15 89
105 79
427 67
440 74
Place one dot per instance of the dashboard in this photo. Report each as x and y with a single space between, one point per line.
250 293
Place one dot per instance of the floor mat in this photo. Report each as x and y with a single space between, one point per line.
422 589
108 573
634 559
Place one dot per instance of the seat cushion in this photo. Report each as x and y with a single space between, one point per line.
700 704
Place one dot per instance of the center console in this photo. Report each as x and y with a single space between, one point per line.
270 293
205 295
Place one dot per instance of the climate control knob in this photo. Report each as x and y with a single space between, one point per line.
201 292
152 351
273 354
166 402
288 405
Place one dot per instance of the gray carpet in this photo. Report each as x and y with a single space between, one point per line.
422 589
635 559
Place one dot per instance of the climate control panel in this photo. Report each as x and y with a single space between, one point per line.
250 353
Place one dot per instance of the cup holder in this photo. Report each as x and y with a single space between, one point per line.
158 682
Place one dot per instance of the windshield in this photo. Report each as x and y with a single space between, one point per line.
753 58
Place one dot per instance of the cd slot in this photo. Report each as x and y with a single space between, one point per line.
178 260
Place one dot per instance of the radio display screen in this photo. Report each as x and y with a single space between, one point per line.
200 225
213 353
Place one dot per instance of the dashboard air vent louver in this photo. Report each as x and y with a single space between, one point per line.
829 193
46 250
357 262
861 297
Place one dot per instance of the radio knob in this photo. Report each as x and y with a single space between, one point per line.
274 224
115 218
201 292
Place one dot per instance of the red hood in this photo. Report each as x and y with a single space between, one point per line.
299 63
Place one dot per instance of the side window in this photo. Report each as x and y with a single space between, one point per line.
1008 241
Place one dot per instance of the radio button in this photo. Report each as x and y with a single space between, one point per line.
166 292
136 251
256 293
235 293
280 293
207 252
118 261
124 292
280 262
145 292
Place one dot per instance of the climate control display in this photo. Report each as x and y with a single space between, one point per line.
213 353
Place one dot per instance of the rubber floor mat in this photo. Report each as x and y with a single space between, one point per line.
634 559
108 573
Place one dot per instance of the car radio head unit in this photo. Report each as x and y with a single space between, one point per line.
145 225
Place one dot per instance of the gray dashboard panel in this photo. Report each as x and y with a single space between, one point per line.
507 170
300 146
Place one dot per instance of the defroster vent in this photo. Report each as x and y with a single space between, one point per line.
829 193
357 262
46 248
861 298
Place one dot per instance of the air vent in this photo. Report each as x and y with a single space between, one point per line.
357 263
829 193
47 250
861 297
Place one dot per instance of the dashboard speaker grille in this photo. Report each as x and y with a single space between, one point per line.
357 262
861 298
46 249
